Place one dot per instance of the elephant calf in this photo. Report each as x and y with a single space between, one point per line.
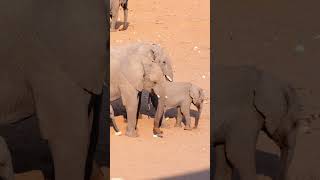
181 95
114 10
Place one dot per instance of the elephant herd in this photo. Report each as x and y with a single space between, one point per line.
146 66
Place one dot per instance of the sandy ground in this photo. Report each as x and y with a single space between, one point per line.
282 38
186 37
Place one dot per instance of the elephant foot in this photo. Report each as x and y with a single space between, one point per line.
132 134
188 128
157 131
178 125
195 127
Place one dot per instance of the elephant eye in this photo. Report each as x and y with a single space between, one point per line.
163 62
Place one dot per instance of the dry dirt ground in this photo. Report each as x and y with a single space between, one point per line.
281 37
183 29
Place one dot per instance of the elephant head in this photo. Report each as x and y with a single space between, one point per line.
198 97
148 63
159 56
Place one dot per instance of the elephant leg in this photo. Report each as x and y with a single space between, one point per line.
6 168
223 169
64 119
130 100
125 15
185 110
164 123
287 153
240 151
114 125
179 118
115 12
139 115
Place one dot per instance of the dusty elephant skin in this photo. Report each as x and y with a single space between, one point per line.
114 12
248 100
135 67
53 65
180 95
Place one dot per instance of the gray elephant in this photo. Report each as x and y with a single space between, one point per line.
52 65
114 11
246 101
135 67
180 95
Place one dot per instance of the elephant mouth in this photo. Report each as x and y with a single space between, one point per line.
169 78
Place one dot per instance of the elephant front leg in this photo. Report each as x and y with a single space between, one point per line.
131 107
125 16
285 160
223 169
240 151
6 168
115 11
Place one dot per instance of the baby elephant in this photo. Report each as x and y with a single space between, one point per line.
114 10
180 95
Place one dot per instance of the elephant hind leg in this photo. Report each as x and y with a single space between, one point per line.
223 169
6 168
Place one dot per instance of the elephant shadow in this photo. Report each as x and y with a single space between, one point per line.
267 164
119 109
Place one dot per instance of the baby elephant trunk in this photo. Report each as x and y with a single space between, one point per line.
199 107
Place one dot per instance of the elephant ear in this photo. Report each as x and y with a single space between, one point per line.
152 75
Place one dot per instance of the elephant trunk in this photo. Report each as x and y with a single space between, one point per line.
200 107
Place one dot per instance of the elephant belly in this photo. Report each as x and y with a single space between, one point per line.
15 99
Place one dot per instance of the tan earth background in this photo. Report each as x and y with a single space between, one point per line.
182 28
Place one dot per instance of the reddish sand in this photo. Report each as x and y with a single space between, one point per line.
183 29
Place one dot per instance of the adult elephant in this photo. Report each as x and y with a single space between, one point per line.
52 65
135 67
246 101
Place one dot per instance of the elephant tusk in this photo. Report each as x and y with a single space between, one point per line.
158 96
166 97
169 78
